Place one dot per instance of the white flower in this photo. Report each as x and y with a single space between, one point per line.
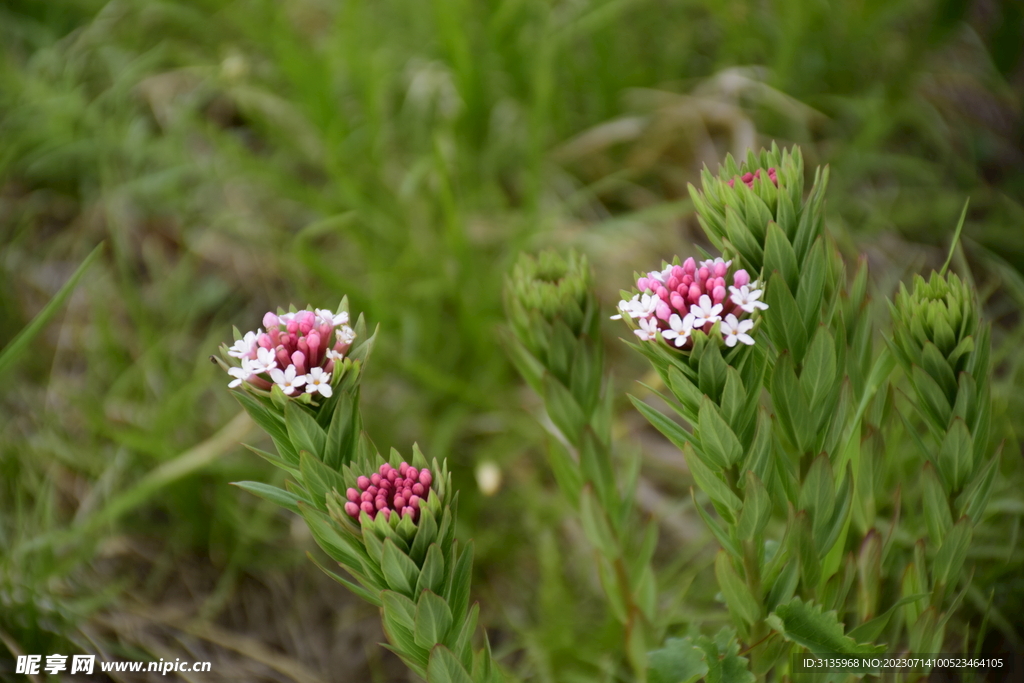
287 379
736 330
243 347
648 329
661 276
346 335
746 297
328 317
640 306
680 330
710 263
703 312
240 375
318 380
264 362
334 355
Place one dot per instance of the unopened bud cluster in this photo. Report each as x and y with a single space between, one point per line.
389 490
679 299
297 352
749 178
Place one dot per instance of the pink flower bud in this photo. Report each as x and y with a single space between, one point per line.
283 359
719 282
689 266
720 268
270 320
367 507
718 295
381 503
414 501
264 341
363 483
663 311
740 278
662 292
313 343
412 473
407 493
375 478
399 502
686 282
695 292
426 477
409 512
392 476
367 497
299 360
373 491
292 327
673 282
678 302
384 469
703 274
418 489
403 468
678 272
352 495
352 510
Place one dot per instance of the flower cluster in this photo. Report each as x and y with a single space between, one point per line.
680 299
749 178
390 491
296 353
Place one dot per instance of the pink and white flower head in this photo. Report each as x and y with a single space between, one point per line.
390 491
299 349
680 299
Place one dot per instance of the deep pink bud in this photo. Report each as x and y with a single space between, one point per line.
366 497
292 327
367 507
643 284
399 502
270 320
373 491
720 269
695 292
313 343
718 295
662 292
690 266
387 513
673 282
426 477
418 489
687 281
403 468
264 341
740 278
384 469
352 495
412 473
663 311
363 483
703 274
352 509
409 512
381 503
392 476
747 177
375 479
407 493
414 501
678 272
299 360
283 360
678 302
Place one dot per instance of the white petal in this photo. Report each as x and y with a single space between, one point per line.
730 340
746 339
325 390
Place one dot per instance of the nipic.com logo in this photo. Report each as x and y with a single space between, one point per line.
31 665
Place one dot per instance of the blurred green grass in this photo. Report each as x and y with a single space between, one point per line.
236 156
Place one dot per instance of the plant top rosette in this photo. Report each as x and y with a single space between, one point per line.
679 300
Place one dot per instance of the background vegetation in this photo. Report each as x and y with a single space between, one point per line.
239 155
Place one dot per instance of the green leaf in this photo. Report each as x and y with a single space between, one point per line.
563 409
949 560
807 625
272 423
936 506
818 375
327 537
757 508
596 525
734 400
433 620
566 470
444 667
399 570
741 238
973 501
678 661
343 433
806 550
426 534
372 597
318 479
277 496
685 391
595 463
610 586
818 497
721 654
956 456
432 575
931 397
741 602
870 630
711 373
785 585
935 364
784 322
23 339
304 432
726 502
457 592
664 424
790 404
812 285
718 442
779 256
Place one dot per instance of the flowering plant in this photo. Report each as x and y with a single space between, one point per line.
389 524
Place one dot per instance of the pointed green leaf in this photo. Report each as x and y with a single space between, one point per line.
807 625
949 560
304 432
741 602
757 508
779 256
956 456
936 506
275 495
596 525
726 502
444 667
433 620
399 570
563 409
432 575
718 442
